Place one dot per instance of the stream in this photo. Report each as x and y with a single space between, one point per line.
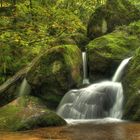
80 131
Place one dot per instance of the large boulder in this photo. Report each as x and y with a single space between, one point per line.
105 53
78 39
107 17
131 85
27 112
55 72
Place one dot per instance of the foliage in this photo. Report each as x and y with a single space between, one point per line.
107 17
136 3
83 9
28 27
27 30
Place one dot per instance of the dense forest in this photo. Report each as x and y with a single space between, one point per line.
41 45
30 26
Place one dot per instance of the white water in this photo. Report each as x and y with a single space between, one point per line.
117 110
24 88
92 102
84 58
93 121
101 100
120 70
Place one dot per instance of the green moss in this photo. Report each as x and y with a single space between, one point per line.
106 52
26 113
56 66
131 84
8 116
55 72
45 118
51 100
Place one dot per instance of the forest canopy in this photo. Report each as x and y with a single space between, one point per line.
30 26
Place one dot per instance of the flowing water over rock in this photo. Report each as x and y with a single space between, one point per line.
85 78
120 70
95 101
24 88
100 100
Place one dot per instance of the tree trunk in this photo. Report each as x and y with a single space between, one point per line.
9 90
30 3
1 3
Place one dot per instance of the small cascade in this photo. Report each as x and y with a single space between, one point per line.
84 58
120 70
100 100
117 110
95 101
24 88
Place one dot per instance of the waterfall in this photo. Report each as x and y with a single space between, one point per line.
95 101
120 70
100 100
24 88
117 110
84 58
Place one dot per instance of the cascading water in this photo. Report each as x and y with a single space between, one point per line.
119 72
99 100
85 79
95 101
116 110
24 88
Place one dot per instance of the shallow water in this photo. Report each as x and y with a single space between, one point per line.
80 131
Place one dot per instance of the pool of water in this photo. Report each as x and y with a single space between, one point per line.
80 130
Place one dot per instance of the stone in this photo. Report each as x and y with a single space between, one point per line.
55 72
107 17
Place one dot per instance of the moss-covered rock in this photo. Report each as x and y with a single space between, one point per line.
131 85
55 72
105 53
27 112
107 17
79 39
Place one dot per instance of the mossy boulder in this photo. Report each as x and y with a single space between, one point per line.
79 39
55 72
107 17
27 112
131 85
105 53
